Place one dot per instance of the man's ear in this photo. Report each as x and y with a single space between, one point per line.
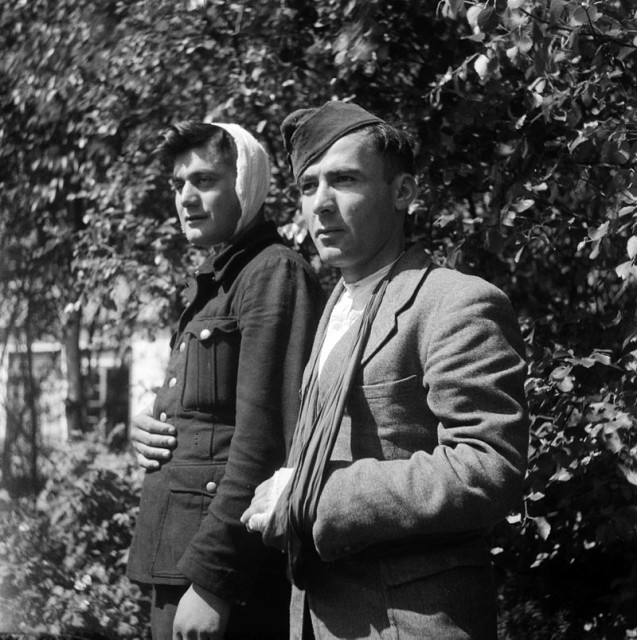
405 190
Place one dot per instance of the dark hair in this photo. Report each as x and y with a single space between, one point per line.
188 134
394 145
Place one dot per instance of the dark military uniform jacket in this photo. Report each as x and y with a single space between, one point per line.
232 392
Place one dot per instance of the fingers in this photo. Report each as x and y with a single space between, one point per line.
159 453
259 503
147 424
258 522
144 437
148 464
249 512
256 516
153 440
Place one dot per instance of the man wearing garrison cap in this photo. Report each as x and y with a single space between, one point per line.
412 436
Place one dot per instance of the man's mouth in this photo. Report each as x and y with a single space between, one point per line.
328 231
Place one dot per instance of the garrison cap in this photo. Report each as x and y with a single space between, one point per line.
308 133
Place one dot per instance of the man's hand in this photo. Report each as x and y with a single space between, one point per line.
201 615
256 516
153 440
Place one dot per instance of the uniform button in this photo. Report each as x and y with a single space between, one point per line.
163 417
172 382
205 334
211 486
182 346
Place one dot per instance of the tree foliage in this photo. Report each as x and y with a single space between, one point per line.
63 559
524 115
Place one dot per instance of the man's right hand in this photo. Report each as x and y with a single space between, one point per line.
153 440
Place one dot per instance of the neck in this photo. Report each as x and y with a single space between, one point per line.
385 257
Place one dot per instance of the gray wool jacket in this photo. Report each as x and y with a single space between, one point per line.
430 455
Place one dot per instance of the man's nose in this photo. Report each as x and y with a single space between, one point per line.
188 194
323 199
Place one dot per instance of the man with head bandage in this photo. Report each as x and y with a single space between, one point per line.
412 436
222 422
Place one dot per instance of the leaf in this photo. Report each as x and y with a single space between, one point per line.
563 475
523 205
629 474
472 16
453 7
121 293
626 269
481 65
561 372
601 357
566 385
524 44
583 362
515 4
579 17
599 232
631 247
488 19
543 527
557 10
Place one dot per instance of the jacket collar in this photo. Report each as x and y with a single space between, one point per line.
226 261
410 270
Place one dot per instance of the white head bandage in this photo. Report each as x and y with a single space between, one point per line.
253 172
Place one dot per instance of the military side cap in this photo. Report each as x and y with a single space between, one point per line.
308 133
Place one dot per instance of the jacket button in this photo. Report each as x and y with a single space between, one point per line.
163 417
205 334
172 382
211 486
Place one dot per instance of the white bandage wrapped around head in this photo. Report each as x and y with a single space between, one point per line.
253 172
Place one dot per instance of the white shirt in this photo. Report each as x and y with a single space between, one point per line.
348 309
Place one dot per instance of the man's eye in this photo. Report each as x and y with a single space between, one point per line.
203 182
307 188
344 179
176 185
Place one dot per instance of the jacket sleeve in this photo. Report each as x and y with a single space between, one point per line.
278 310
473 373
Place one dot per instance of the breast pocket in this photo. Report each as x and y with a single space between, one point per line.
212 362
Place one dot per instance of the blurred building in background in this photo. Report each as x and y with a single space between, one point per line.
118 383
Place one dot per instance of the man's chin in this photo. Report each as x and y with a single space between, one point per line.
198 240
331 257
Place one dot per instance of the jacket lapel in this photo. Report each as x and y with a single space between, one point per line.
409 272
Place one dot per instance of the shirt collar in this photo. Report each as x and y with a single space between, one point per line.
223 260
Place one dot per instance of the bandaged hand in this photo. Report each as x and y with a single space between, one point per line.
257 515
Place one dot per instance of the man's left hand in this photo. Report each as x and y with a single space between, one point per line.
266 495
201 615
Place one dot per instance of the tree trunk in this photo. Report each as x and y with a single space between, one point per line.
31 396
75 407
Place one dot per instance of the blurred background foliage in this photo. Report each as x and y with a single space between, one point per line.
524 115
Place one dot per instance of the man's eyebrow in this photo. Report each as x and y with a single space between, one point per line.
341 170
331 173
196 174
